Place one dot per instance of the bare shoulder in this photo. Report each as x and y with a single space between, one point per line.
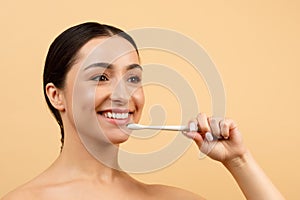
28 190
169 192
17 194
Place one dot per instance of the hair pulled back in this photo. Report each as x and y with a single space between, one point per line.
62 55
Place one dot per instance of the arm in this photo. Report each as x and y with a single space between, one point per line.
251 178
232 153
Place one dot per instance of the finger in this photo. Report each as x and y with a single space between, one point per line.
192 128
227 125
207 146
193 133
214 126
203 123
209 137
224 126
196 137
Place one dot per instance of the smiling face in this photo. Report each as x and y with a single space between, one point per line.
103 91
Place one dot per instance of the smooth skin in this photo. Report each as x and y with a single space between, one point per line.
77 174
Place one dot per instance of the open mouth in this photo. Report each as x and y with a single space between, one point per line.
118 115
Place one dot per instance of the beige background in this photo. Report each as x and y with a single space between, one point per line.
254 44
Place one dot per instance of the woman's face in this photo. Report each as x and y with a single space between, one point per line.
103 90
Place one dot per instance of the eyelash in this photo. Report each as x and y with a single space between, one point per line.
134 79
104 77
100 78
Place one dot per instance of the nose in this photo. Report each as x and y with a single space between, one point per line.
120 94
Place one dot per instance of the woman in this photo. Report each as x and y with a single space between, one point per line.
92 85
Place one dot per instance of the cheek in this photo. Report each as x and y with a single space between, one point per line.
83 98
101 94
139 99
83 103
85 117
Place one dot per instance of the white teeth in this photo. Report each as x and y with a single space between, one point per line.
116 115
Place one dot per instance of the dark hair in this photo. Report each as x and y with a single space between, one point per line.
62 55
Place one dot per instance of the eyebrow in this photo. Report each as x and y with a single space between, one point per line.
110 66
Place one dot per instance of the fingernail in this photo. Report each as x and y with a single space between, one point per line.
209 136
193 126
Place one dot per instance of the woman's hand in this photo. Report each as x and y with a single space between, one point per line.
230 150
205 131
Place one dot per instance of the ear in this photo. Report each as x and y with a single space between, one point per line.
55 96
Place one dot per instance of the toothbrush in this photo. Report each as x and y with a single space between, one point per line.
169 128
208 135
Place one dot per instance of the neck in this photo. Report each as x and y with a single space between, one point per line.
89 159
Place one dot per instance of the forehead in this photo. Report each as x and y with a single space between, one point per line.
110 50
107 50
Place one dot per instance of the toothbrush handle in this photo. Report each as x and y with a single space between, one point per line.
174 128
169 128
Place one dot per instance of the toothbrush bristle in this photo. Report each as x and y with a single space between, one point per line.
132 126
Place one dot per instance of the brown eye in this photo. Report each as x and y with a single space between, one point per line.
101 77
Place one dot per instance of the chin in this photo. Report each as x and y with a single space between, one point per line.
117 136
